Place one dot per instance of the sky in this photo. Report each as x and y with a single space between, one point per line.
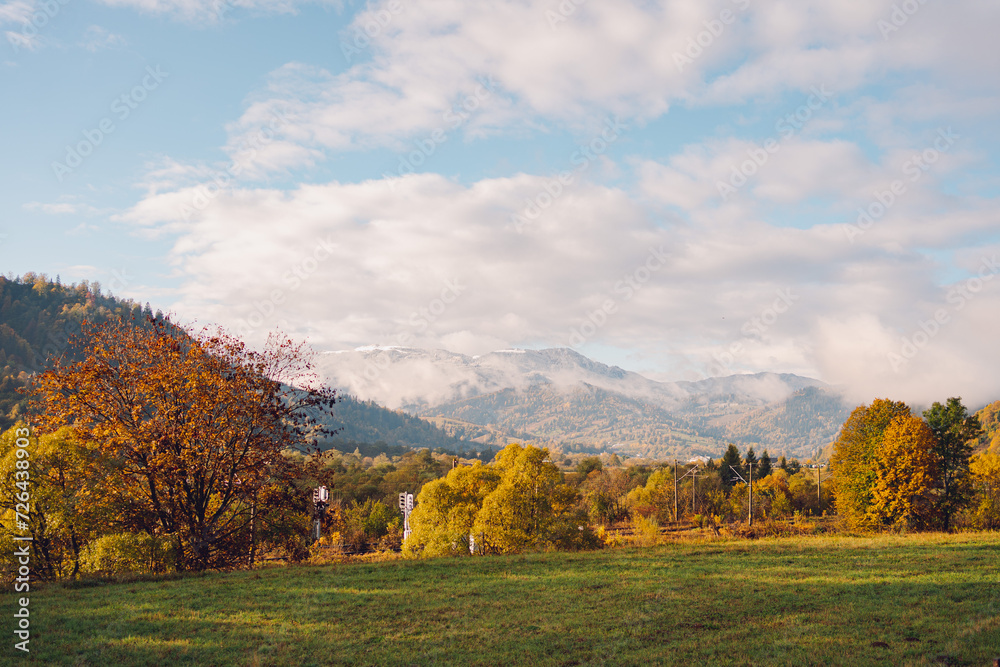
685 188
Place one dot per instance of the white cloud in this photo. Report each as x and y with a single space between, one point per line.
97 38
432 263
768 277
213 11
604 59
51 209
61 208
21 13
16 11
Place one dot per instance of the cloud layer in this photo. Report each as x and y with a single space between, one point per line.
828 227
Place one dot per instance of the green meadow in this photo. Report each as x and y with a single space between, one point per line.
927 599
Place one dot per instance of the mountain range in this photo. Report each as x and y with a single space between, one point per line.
560 396
448 401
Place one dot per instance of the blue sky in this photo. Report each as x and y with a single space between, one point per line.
674 187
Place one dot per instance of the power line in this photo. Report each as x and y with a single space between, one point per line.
694 476
749 484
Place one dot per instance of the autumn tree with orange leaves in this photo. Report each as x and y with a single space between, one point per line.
905 474
194 423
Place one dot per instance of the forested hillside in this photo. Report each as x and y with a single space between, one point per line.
807 417
368 422
989 417
587 415
37 318
581 417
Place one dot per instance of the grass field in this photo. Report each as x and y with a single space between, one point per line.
925 599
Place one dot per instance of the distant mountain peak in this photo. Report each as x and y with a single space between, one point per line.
559 393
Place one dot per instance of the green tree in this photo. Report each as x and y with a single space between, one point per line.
656 497
775 496
855 453
802 487
368 524
589 465
765 467
956 432
730 458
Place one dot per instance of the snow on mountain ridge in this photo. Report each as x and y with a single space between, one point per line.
413 378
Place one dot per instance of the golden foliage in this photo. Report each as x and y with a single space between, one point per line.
905 470
194 425
854 455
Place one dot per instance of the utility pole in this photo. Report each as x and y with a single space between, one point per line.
749 490
694 476
675 490
694 484
819 487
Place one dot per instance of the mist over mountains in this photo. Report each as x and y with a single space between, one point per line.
558 395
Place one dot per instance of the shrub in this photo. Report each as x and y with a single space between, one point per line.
646 531
122 553
609 538
371 525
572 532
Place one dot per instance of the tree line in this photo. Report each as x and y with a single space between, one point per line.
162 448
893 469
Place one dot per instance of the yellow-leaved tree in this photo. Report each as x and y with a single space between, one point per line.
855 453
70 492
513 504
905 474
518 512
446 510
985 469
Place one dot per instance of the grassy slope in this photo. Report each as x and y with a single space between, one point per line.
790 602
